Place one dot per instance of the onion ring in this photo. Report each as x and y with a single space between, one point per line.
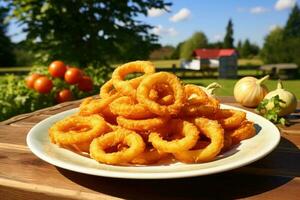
142 124
127 107
227 142
198 110
245 131
119 74
187 129
92 106
195 95
162 94
229 118
133 140
149 156
107 89
211 129
161 78
78 129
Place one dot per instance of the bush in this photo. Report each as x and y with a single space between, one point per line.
16 98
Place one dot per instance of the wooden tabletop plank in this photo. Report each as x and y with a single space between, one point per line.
29 172
23 174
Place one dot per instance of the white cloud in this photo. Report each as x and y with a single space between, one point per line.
284 4
258 10
181 15
160 30
273 27
156 12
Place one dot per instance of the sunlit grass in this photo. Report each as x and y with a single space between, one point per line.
228 85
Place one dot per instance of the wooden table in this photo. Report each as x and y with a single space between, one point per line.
24 176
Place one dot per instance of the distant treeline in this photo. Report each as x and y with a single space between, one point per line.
281 45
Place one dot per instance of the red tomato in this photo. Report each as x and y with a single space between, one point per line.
73 75
64 95
43 85
31 79
85 84
57 69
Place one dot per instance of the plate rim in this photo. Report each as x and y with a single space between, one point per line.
146 175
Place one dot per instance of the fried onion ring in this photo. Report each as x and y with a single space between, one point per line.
78 129
198 110
142 124
229 118
195 95
133 140
95 106
211 129
125 87
107 89
245 131
186 129
161 78
149 156
127 107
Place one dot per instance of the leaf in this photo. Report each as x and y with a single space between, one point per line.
272 114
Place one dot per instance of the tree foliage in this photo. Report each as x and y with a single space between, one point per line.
272 51
198 40
176 52
247 49
86 31
228 39
164 52
7 57
282 44
292 27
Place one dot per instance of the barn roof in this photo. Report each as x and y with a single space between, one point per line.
213 53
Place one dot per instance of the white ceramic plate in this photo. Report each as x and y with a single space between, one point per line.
248 151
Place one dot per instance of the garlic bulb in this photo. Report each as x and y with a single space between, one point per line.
289 98
250 91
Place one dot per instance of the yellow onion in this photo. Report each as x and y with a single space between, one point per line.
210 89
290 101
250 91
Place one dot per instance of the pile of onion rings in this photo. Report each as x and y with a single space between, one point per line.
149 119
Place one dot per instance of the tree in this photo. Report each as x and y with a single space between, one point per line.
162 53
239 47
282 45
247 49
86 32
7 58
198 40
292 27
176 52
228 39
273 49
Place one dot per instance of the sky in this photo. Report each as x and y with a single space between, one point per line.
252 19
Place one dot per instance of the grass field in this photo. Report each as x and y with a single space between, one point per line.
241 62
228 85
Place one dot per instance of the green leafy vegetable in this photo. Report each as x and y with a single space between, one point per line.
272 114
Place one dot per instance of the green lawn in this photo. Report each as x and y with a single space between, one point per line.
241 62
247 62
228 84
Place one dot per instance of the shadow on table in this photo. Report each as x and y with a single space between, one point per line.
239 183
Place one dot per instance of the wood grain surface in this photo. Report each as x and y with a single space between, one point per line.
24 176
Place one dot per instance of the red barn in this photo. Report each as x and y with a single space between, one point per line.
213 53
223 59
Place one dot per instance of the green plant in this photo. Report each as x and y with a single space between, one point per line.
272 114
16 98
